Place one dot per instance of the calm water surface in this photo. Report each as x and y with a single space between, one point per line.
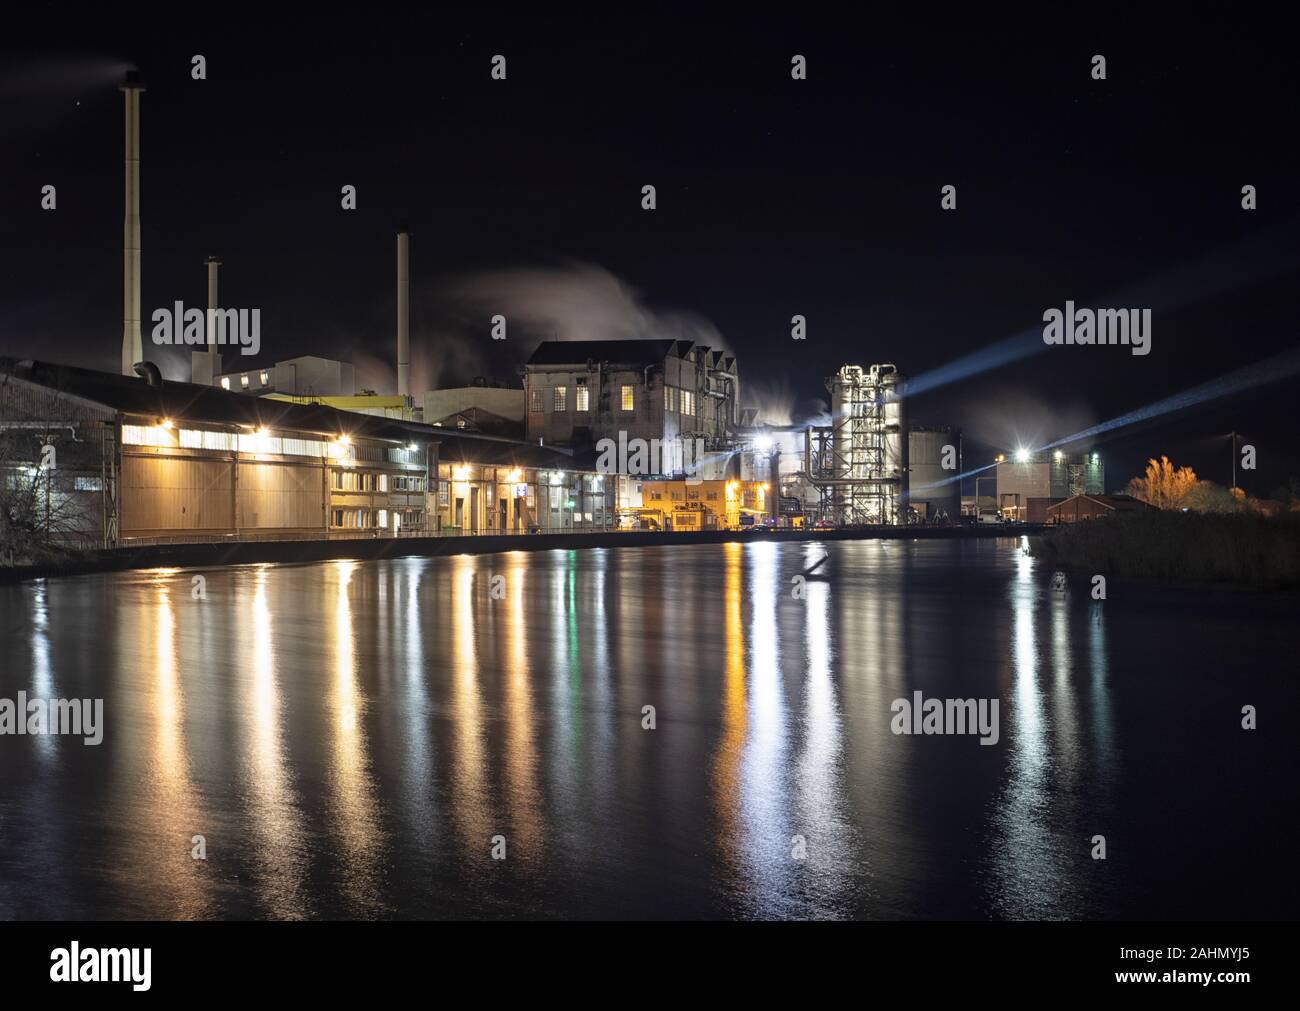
349 737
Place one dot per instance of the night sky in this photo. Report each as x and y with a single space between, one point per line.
775 197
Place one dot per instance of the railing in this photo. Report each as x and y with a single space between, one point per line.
197 537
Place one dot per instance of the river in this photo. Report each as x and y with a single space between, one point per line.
469 737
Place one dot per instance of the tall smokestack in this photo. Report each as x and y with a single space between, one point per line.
213 264
403 313
205 365
131 347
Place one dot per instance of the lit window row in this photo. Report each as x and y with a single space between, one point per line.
560 398
679 400
264 379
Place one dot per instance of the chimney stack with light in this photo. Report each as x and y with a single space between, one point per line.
205 365
132 351
403 313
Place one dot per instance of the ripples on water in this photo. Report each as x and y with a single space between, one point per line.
350 737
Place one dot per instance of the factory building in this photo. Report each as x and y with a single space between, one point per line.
1028 483
493 408
1080 508
140 460
672 391
727 504
305 376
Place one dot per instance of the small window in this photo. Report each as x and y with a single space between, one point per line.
535 400
559 399
243 380
580 401
628 402
266 378
225 382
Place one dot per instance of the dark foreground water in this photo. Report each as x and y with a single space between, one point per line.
350 737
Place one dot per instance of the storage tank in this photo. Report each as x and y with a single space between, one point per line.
933 492
890 387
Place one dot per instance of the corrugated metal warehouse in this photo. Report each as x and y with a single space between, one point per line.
139 459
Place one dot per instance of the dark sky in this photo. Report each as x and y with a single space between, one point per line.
776 197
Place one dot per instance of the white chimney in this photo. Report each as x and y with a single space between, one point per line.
205 365
131 347
403 314
213 264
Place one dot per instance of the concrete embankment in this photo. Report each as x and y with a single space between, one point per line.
251 552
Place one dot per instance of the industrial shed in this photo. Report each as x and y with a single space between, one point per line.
144 459
1088 507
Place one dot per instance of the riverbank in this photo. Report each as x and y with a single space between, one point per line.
253 552
1237 549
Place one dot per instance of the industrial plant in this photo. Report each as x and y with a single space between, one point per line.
293 449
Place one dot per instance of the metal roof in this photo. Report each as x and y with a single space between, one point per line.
633 352
211 405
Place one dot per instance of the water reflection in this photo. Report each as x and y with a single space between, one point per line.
170 807
273 810
819 776
353 804
350 736
522 785
42 673
1037 838
726 765
469 812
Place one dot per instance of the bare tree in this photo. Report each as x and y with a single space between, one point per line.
1164 485
39 521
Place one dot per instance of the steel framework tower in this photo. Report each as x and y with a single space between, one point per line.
859 463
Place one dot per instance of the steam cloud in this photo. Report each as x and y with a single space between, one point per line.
569 302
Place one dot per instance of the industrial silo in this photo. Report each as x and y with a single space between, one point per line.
934 492
890 389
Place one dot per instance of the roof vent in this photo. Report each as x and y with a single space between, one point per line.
149 372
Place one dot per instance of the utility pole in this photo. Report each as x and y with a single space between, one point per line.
1234 461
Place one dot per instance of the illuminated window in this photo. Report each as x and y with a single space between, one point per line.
628 401
535 401
560 399
243 380
225 382
688 403
580 399
266 378
147 435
